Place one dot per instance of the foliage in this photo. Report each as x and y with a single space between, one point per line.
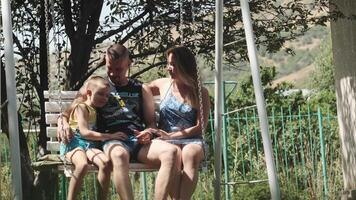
5 182
295 129
323 75
274 95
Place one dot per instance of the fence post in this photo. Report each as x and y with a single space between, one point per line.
225 144
322 151
63 187
144 185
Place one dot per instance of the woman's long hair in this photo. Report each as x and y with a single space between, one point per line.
186 66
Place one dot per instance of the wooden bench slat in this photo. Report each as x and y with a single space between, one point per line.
52 118
51 132
56 106
134 167
54 95
53 146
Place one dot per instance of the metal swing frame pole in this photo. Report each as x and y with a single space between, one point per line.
218 96
11 95
260 100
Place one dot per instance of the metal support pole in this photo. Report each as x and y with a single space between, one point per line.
260 100
0 97
218 95
225 146
11 95
144 185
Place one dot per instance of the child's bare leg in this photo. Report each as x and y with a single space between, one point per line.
80 162
98 158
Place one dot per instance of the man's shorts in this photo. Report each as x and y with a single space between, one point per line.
131 145
77 141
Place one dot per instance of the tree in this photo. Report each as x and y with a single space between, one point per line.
323 75
345 80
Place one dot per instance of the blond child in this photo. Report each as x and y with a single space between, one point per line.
84 145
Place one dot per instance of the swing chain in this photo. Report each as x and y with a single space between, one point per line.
47 43
200 91
49 5
181 22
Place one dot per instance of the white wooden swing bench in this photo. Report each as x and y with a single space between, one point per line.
54 104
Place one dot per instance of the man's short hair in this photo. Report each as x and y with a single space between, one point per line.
117 51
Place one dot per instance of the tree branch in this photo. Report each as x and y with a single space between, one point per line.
147 69
83 19
68 20
93 22
80 82
121 28
30 66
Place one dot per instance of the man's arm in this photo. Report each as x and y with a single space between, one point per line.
148 107
64 133
148 115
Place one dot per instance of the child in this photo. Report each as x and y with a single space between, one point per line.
84 145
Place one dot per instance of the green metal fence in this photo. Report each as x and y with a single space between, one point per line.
306 149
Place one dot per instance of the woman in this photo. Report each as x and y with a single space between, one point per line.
180 116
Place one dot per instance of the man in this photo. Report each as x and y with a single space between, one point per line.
131 105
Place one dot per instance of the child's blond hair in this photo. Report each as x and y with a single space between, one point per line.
91 83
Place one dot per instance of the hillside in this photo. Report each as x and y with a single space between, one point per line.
297 68
299 78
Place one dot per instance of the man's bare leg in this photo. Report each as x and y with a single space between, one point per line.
163 154
192 155
120 158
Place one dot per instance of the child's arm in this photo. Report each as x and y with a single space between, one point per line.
82 115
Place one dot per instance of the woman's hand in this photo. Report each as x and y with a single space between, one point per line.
117 136
163 135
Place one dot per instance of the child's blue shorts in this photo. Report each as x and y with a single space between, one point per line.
77 141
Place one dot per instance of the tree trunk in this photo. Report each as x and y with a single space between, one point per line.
82 41
45 181
80 55
343 33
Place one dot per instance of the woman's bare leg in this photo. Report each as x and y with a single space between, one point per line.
192 155
175 185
